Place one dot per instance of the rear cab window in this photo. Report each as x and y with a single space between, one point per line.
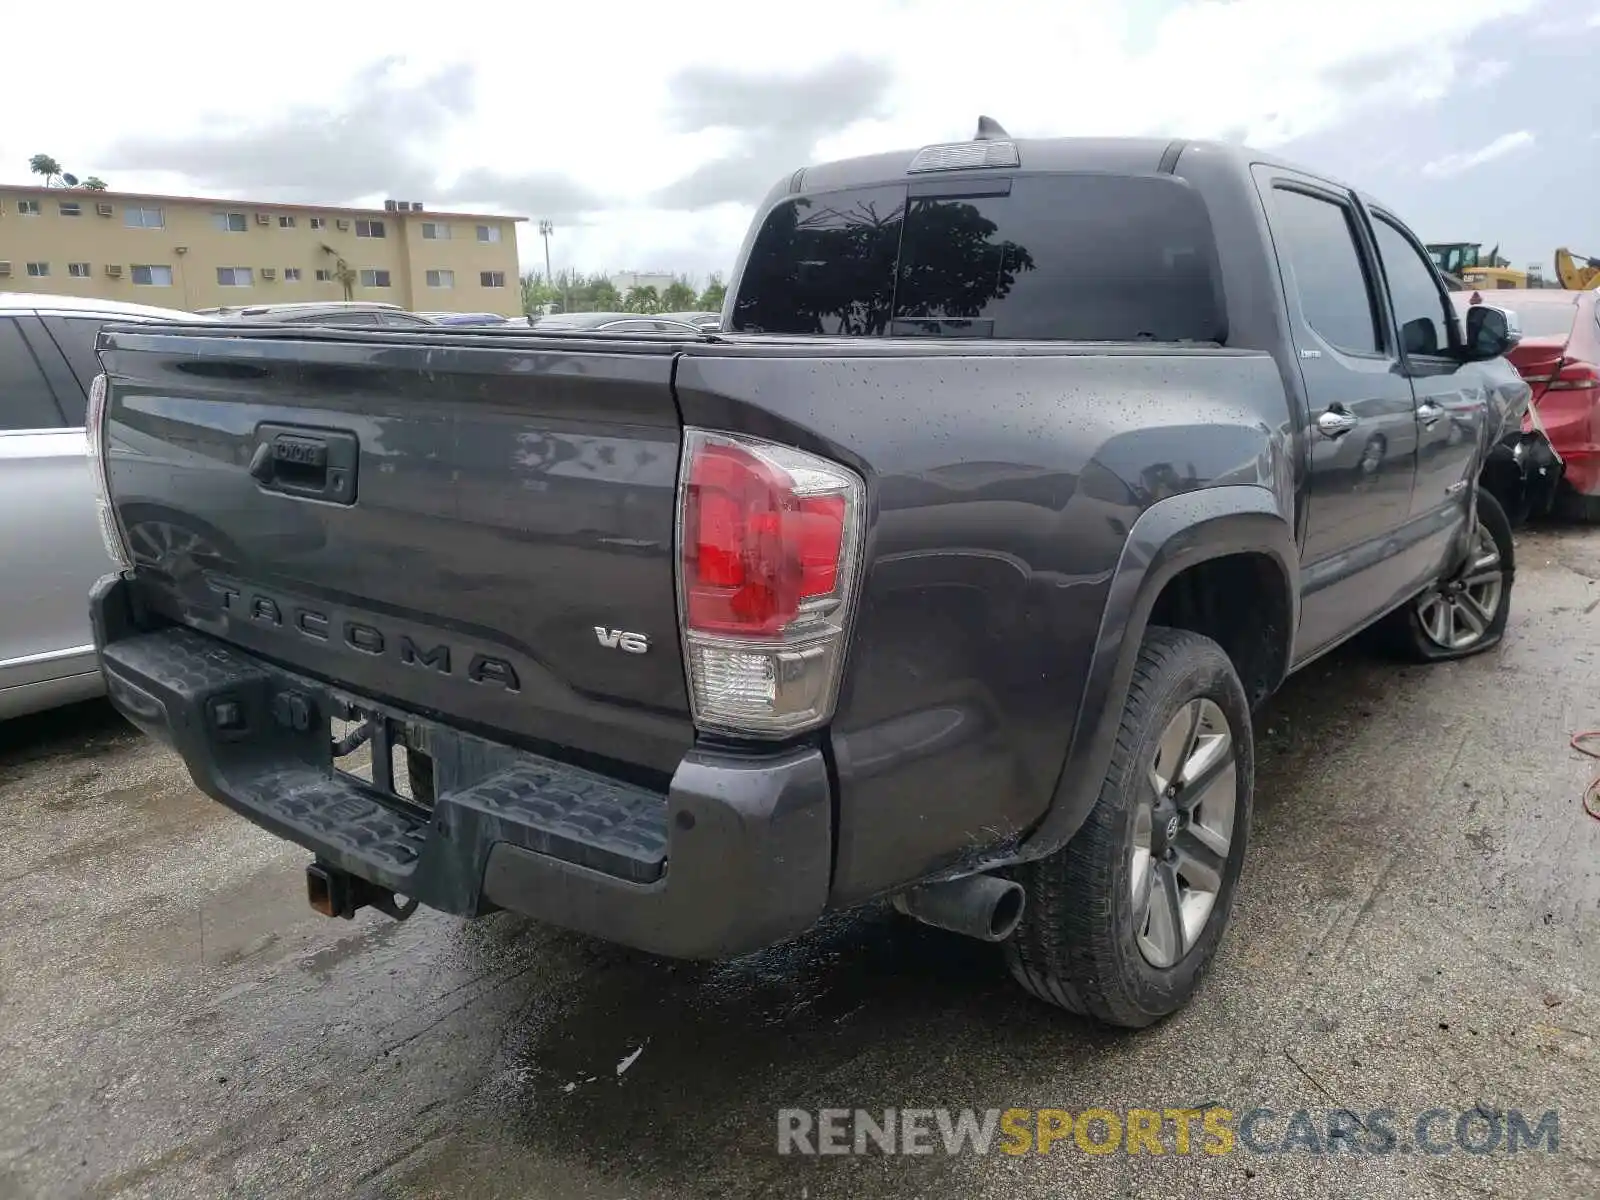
1049 257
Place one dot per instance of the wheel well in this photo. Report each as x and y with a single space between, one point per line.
1241 602
1501 477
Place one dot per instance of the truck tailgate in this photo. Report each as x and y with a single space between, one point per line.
473 526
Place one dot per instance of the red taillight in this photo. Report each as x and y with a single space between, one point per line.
754 550
1573 376
767 545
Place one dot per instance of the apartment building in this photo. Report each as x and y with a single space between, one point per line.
188 252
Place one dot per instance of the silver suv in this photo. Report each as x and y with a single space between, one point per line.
49 533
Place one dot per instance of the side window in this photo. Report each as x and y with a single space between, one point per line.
75 337
1318 238
25 399
1419 305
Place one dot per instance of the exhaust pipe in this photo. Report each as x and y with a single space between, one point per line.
985 907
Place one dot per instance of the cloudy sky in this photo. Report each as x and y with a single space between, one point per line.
646 131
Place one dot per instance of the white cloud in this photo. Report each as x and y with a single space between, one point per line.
1487 71
584 93
1455 164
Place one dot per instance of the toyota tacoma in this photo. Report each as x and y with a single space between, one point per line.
951 572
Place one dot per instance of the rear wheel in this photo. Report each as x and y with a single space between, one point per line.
1122 922
1465 614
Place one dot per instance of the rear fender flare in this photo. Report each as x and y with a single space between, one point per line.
1169 537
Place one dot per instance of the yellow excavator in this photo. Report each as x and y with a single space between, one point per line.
1577 272
1464 262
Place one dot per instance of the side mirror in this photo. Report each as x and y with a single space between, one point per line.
1491 331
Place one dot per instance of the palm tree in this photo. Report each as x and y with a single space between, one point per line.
343 273
94 184
641 300
43 164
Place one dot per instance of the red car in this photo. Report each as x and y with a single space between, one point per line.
1560 357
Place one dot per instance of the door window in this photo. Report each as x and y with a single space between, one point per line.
1317 236
25 398
1419 305
75 337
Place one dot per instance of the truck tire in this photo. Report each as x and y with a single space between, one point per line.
1171 824
1467 613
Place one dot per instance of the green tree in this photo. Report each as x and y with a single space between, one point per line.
43 164
603 296
679 297
537 293
642 299
716 292
54 176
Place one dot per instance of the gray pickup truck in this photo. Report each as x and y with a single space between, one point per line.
950 572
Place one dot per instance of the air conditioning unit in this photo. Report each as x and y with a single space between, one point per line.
390 205
341 223
263 218
5 270
113 271
269 272
416 206
103 209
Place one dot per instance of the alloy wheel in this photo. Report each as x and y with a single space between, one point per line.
1457 614
1183 832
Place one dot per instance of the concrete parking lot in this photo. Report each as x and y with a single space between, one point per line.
1419 928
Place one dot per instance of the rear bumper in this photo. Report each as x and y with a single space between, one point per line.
735 855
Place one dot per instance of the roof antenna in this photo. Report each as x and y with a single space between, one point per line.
989 129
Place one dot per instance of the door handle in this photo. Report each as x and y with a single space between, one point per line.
1429 413
1336 422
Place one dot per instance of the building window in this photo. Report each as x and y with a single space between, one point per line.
235 276
434 231
28 208
370 229
78 270
291 274
318 222
143 218
488 233
229 222
285 222
374 279
71 208
324 276
152 276
39 270
492 278
441 279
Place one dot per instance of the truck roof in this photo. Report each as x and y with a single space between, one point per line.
1115 155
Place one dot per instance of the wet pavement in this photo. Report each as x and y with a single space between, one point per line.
1418 928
